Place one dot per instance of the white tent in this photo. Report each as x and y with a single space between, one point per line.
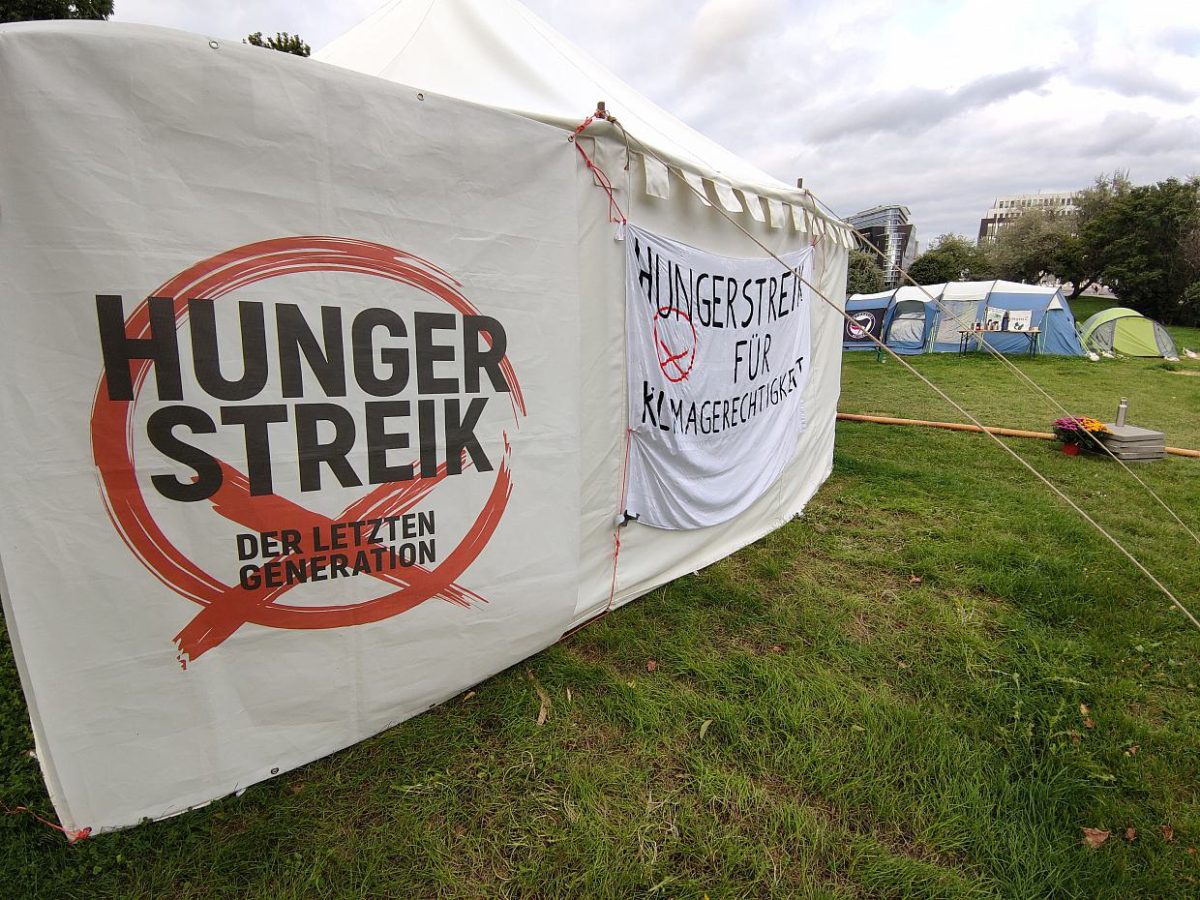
344 214
497 53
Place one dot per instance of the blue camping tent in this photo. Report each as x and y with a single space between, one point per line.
913 318
902 317
914 323
869 314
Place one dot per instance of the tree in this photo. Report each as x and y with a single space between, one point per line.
864 275
1031 247
1189 304
30 10
283 42
1072 264
952 258
1081 255
1150 247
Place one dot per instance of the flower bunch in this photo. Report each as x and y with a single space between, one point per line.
1081 424
1081 429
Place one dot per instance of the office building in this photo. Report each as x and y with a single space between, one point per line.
888 229
1006 209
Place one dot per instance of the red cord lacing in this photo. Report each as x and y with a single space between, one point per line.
72 836
615 215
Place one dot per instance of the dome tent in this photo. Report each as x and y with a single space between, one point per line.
1127 331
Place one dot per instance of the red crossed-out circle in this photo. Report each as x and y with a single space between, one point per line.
676 353
225 607
860 325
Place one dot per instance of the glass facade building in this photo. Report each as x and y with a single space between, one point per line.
889 230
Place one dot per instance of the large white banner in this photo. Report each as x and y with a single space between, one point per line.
718 356
289 390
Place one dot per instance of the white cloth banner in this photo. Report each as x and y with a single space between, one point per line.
289 385
718 356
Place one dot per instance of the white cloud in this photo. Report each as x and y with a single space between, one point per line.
722 32
937 105
317 23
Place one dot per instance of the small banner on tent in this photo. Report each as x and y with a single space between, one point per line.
718 356
865 326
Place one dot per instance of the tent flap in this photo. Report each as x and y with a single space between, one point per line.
696 183
658 179
776 212
726 195
754 206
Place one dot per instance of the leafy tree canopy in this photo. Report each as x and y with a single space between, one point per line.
31 10
1189 304
864 275
1107 188
1147 241
952 258
1080 256
1031 247
283 42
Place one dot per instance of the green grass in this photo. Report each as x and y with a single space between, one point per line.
1162 395
1083 308
819 723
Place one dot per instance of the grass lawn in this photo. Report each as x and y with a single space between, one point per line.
1088 305
1162 395
926 687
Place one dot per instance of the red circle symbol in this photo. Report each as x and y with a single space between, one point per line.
860 325
226 608
675 342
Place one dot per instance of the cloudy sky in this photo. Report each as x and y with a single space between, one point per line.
940 105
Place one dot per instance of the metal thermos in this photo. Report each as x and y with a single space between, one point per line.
1122 408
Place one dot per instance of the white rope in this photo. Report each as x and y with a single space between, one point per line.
937 390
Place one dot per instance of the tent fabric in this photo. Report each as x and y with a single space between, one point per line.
909 323
952 314
1126 331
962 302
1166 343
497 53
350 126
912 318
917 324
1100 339
878 305
1050 315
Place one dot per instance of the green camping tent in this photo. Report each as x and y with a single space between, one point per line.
1126 331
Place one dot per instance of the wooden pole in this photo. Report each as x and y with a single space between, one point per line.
999 432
